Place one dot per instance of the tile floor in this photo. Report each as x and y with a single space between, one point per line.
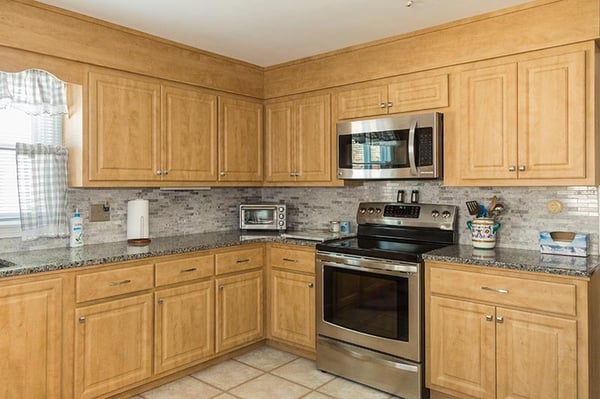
265 373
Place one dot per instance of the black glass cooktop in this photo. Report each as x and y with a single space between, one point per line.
378 248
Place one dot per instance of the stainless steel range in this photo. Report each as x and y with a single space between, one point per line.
370 308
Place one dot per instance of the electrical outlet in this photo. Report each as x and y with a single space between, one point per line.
99 213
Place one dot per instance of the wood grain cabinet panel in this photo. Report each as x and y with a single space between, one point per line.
31 340
184 325
107 283
298 140
367 101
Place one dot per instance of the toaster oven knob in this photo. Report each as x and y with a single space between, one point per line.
377 210
280 216
281 222
371 210
362 210
445 214
435 213
281 209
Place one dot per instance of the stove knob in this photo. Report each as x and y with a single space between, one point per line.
371 210
377 210
362 210
435 213
445 214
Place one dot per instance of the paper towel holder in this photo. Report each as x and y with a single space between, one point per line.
137 223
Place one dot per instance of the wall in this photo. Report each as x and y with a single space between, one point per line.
185 212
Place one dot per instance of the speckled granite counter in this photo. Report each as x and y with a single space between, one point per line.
28 262
517 259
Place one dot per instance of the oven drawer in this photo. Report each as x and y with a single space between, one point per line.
292 259
546 296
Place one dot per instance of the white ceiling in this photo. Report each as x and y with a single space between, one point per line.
269 32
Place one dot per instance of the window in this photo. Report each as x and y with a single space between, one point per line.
16 125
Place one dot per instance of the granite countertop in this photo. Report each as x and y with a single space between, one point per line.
518 259
36 261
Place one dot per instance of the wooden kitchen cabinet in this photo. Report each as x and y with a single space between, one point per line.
31 339
484 341
404 94
291 316
525 121
298 140
184 325
113 345
240 140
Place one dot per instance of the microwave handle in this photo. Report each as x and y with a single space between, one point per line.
411 148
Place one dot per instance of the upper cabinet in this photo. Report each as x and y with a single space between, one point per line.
240 139
298 140
404 94
524 122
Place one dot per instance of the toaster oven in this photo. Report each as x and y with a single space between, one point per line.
263 216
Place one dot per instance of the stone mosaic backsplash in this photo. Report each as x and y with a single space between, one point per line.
188 211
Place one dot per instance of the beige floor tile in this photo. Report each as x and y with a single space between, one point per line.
184 388
227 375
304 372
269 387
225 396
343 389
266 358
317 395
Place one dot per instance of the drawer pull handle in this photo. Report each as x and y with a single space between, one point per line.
116 283
191 269
499 290
242 260
290 260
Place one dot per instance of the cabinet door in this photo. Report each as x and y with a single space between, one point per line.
536 356
189 141
240 140
113 345
367 101
487 126
552 110
279 142
184 325
313 135
239 309
30 327
292 309
124 123
461 347
418 94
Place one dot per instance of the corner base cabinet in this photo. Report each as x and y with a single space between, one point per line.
494 333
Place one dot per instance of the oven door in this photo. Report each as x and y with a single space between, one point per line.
371 303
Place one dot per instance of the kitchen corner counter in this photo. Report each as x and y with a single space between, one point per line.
518 259
36 261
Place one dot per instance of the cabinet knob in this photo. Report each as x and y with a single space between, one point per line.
310 285
82 319
221 288
489 317
522 168
222 173
159 172
165 172
390 104
512 168
382 105
500 319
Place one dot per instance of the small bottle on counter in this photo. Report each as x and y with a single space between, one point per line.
76 230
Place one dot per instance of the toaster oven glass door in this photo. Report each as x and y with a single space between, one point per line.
260 217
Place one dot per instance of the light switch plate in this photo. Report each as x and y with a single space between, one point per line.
98 214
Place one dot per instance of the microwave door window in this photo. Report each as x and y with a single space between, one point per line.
376 150
259 216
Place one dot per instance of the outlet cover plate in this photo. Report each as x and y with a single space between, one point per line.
98 214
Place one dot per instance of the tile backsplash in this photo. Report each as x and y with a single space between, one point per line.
188 211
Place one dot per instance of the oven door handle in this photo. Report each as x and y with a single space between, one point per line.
411 148
363 356
407 271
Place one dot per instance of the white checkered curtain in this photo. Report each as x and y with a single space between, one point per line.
33 91
42 181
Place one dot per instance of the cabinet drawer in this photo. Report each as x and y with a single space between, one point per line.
293 260
176 271
547 296
114 282
242 259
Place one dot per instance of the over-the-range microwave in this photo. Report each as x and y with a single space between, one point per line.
396 147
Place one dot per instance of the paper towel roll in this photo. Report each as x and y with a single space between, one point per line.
137 219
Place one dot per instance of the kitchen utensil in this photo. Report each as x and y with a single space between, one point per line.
492 204
473 207
483 213
498 209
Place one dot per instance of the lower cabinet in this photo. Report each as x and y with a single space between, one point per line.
30 339
184 325
239 310
113 345
479 345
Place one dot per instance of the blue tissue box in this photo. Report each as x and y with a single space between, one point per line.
564 243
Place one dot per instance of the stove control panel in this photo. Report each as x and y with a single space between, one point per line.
415 215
